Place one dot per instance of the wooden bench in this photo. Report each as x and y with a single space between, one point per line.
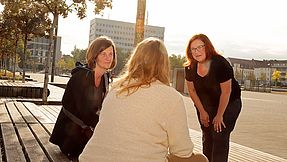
25 131
16 89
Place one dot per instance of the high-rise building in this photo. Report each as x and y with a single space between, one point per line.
122 33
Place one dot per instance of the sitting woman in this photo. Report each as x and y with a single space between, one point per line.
143 119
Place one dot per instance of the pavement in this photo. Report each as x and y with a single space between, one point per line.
261 124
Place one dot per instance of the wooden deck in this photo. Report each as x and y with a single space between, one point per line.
25 129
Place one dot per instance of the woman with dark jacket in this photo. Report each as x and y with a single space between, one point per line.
83 98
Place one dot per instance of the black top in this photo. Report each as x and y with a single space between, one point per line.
82 98
208 87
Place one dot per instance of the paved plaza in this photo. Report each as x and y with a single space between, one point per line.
261 124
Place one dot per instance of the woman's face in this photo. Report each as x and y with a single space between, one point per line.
197 49
105 58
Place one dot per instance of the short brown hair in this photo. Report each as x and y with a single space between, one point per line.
96 47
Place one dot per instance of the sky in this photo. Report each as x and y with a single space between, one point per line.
247 29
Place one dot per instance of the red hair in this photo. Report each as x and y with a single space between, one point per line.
209 49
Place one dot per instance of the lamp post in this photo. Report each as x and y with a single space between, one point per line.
242 74
270 75
139 27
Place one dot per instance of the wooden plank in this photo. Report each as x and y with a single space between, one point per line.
49 127
47 113
52 150
34 109
53 109
13 149
32 147
4 117
25 113
15 115
57 109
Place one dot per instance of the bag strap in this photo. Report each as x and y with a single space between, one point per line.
106 77
76 119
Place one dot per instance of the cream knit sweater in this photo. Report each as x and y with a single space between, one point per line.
142 127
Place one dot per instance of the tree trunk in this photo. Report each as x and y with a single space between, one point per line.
24 58
55 47
15 57
48 58
5 64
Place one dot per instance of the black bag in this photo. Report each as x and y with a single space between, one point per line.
88 132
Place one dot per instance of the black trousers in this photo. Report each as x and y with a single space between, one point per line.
216 145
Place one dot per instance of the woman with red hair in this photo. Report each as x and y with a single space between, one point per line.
215 93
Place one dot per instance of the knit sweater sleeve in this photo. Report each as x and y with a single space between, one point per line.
179 140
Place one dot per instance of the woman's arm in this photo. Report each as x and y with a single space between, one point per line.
223 102
204 117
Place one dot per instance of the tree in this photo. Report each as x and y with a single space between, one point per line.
79 54
276 76
62 8
28 19
31 21
6 44
122 58
176 61
10 18
251 76
66 64
237 74
263 76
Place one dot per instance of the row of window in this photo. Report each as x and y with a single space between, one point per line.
125 32
38 46
114 26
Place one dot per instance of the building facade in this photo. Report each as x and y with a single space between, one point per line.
39 48
122 33
259 71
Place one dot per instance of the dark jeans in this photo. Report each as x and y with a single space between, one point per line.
216 145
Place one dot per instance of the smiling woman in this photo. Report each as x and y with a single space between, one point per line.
83 97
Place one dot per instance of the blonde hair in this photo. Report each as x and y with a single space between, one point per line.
149 62
96 47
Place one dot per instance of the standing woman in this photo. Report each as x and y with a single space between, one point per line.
83 99
215 93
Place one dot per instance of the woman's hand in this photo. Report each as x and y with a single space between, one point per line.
204 118
218 123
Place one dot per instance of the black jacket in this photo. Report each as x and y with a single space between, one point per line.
83 100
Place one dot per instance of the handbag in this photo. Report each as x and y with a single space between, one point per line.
87 130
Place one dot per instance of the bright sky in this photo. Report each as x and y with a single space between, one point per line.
242 29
